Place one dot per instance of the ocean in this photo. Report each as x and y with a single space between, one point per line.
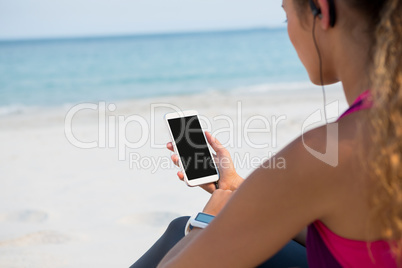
47 73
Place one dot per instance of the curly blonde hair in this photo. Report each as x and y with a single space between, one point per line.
386 121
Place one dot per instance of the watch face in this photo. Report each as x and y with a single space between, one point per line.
202 217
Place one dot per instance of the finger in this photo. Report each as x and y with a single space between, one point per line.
169 145
210 187
180 175
216 145
175 159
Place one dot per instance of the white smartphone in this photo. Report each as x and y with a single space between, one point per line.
190 144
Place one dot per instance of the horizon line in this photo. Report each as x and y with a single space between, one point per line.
145 34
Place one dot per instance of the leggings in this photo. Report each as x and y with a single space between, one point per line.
291 255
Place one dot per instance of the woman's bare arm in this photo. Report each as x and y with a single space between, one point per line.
270 208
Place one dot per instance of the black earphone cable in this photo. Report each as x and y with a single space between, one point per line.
321 75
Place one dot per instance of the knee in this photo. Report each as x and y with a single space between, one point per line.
178 224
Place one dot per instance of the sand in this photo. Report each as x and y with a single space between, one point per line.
66 206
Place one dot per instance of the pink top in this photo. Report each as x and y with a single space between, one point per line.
363 101
355 253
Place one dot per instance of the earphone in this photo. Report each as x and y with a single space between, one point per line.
332 17
317 11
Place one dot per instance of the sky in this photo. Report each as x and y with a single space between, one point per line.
26 19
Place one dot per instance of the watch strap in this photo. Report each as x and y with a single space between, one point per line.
199 220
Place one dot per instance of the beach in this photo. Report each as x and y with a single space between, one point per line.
63 205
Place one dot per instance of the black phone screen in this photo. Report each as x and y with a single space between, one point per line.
192 146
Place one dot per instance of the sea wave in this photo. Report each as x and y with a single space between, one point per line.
14 109
267 88
282 86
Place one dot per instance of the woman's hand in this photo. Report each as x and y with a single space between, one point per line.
228 177
217 201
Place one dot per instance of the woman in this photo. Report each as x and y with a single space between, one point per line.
353 212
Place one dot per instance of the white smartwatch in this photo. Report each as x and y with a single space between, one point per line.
200 220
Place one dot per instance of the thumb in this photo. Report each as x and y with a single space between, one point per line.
216 145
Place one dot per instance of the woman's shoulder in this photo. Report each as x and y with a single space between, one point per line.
339 144
331 159
328 157
331 147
